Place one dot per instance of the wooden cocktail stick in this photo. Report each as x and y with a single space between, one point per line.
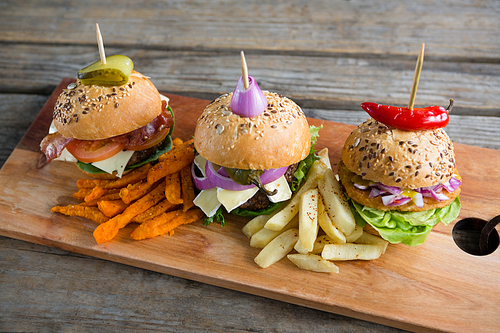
244 71
416 77
100 45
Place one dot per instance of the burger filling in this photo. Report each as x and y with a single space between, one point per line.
116 154
223 189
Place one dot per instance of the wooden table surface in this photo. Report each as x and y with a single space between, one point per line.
329 56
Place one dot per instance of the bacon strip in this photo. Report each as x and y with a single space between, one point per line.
53 145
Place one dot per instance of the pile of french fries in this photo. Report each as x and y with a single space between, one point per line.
157 197
316 223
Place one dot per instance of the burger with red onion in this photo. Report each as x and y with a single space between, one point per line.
398 169
109 129
254 148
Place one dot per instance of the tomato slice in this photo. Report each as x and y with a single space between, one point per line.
159 137
88 151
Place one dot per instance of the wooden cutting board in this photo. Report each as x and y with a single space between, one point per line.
433 287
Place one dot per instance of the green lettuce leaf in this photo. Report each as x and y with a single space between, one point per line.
410 228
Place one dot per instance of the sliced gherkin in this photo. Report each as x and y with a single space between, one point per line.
248 177
115 72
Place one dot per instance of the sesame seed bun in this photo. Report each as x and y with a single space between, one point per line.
406 159
90 112
276 138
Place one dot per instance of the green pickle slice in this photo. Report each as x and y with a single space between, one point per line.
115 72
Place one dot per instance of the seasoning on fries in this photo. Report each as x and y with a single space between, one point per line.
316 223
157 197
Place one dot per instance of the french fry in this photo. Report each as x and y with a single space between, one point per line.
111 208
352 251
354 236
172 161
96 193
91 213
154 211
308 221
324 157
173 188
107 231
277 248
336 204
166 223
264 236
367 238
255 224
285 215
320 243
327 225
313 262
133 176
135 191
187 189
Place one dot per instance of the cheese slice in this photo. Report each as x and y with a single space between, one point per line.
284 191
207 201
116 163
66 156
233 199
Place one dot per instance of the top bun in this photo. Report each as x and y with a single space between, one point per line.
90 112
393 157
276 138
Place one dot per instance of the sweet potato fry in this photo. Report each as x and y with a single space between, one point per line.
91 213
173 161
96 193
107 231
165 223
111 195
173 188
111 208
82 193
156 210
177 141
135 191
133 176
187 187
176 147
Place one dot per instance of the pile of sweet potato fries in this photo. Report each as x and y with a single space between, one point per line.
158 197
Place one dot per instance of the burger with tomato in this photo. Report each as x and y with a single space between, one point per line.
109 129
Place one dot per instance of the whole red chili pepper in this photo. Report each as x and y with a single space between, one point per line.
409 120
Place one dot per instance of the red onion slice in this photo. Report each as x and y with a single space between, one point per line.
250 102
201 183
225 183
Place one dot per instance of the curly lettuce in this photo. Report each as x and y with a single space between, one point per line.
410 228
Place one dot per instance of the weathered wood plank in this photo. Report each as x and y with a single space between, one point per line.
90 294
337 82
451 29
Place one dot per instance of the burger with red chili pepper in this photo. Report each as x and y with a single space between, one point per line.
401 176
109 129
